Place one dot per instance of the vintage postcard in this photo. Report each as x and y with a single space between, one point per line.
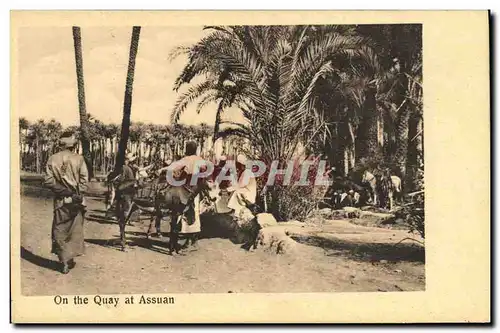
250 167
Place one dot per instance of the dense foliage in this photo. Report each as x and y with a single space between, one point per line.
352 94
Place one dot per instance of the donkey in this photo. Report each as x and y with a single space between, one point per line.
158 210
384 185
370 179
169 199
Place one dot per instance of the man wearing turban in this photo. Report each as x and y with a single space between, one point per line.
67 177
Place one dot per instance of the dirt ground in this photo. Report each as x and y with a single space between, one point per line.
219 266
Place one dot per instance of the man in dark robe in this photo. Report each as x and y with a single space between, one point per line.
125 191
67 177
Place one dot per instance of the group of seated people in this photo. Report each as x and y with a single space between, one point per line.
344 192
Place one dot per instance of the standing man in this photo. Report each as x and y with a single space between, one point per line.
125 190
185 169
67 177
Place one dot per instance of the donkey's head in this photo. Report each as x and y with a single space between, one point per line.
367 176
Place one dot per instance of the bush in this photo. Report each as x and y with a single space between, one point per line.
414 214
294 201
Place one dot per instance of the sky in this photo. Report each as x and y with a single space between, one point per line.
47 74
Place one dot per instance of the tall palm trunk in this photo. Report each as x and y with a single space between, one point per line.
93 154
402 133
351 149
104 154
402 130
21 153
380 130
112 150
202 144
25 150
415 160
139 150
77 40
403 119
368 145
38 152
115 149
101 156
127 105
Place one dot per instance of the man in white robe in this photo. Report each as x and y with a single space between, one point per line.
244 191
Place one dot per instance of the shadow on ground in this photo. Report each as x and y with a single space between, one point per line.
89 216
367 251
39 261
33 187
135 239
36 191
217 226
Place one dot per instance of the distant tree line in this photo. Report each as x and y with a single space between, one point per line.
151 143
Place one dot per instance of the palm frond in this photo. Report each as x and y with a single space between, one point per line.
188 97
220 28
177 51
207 99
230 131
324 70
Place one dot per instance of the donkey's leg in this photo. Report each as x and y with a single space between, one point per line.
174 235
121 206
157 217
150 228
131 209
139 216
126 208
172 239
123 242
107 197
158 224
111 198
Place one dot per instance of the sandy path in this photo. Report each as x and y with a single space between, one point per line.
218 267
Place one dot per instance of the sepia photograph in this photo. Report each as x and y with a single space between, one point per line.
162 160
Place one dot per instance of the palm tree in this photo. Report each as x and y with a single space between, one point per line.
270 73
53 132
99 136
179 136
401 47
135 136
110 132
23 134
127 105
77 40
203 131
38 135
409 57
415 160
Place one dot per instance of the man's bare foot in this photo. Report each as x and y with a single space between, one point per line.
65 268
194 247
